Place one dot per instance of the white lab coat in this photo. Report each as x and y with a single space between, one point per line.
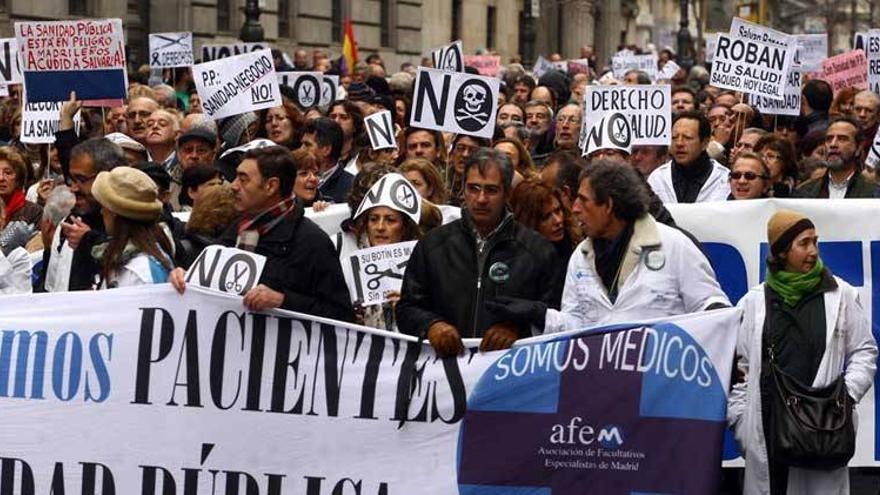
716 188
662 274
15 272
849 345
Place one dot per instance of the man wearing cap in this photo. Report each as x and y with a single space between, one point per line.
691 176
134 151
630 267
302 271
196 146
486 253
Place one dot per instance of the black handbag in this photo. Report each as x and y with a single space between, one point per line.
810 428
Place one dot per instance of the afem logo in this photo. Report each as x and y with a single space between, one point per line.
576 432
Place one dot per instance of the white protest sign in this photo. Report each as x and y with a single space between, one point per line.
396 192
874 152
308 87
870 43
379 270
711 43
455 102
610 132
4 89
542 66
755 60
621 64
647 109
226 269
329 90
215 52
171 50
790 105
449 57
670 69
380 128
10 66
39 122
812 50
237 84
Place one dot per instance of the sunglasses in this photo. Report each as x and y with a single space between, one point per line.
749 176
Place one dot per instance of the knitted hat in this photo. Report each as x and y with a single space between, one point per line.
783 227
360 92
129 193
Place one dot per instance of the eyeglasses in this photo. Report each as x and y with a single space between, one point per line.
749 176
476 189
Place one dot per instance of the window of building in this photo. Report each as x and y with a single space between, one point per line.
456 20
223 14
76 7
336 21
386 23
284 18
490 27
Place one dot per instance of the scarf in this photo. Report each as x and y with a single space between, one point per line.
791 286
14 204
251 228
688 180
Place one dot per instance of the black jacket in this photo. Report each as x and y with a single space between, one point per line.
447 279
337 186
302 263
84 268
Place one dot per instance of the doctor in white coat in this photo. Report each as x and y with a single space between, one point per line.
819 330
630 268
691 176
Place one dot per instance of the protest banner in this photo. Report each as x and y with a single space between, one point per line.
217 51
169 50
812 50
329 89
10 66
647 63
380 128
871 45
307 86
847 70
578 66
163 393
486 65
226 269
86 56
789 105
542 66
647 111
238 84
754 59
378 271
449 57
39 122
455 102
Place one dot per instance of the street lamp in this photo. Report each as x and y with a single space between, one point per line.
252 30
684 38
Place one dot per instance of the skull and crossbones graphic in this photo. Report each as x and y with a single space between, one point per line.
474 99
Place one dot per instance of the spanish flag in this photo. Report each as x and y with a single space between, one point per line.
349 49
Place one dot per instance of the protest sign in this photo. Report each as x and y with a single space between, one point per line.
812 50
171 50
158 391
396 192
579 66
751 66
380 128
646 109
225 269
874 152
455 102
486 65
611 132
329 89
711 43
789 105
379 270
871 46
449 57
847 70
308 87
216 52
86 56
4 89
621 64
10 66
670 69
39 122
237 84
542 66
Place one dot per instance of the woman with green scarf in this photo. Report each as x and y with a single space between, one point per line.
818 330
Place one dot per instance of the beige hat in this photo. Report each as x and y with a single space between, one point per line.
129 193
783 227
125 142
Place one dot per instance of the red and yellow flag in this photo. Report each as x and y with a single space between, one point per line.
349 49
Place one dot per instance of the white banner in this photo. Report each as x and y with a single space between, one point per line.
449 57
10 66
308 87
621 64
378 270
215 52
39 122
237 84
646 109
162 393
171 50
455 102
753 59
790 105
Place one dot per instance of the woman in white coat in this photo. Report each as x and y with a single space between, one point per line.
819 330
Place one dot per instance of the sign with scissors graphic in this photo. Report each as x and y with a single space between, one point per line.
171 50
379 270
226 269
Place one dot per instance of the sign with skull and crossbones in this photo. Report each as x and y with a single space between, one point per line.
455 102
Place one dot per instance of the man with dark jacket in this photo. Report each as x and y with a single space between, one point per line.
302 271
324 138
484 254
842 178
